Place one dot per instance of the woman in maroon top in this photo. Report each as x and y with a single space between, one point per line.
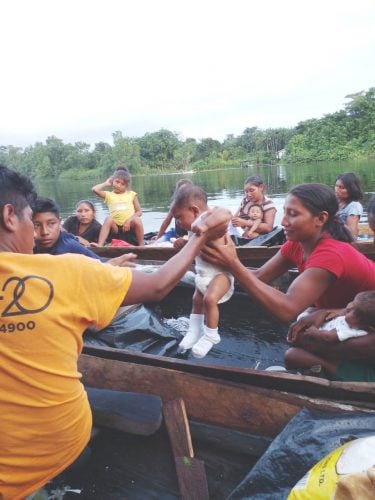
254 195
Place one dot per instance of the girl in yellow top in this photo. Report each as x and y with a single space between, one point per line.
124 208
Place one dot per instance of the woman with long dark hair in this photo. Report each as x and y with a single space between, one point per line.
83 223
348 193
331 270
255 195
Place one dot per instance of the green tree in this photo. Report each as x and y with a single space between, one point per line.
38 161
184 154
207 148
126 151
157 149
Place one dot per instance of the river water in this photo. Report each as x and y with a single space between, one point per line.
250 336
224 187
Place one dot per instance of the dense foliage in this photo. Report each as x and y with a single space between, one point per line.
349 133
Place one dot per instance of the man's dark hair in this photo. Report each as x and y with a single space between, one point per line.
42 205
15 189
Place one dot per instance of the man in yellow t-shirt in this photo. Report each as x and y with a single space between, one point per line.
46 303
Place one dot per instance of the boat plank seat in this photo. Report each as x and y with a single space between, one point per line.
131 412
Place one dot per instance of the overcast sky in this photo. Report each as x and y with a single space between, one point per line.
82 69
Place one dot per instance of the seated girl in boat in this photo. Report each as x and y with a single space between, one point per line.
331 270
84 224
124 220
177 231
213 285
356 320
348 193
254 195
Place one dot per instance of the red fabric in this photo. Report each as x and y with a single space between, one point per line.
119 243
354 272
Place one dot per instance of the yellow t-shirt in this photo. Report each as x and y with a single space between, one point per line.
46 302
120 205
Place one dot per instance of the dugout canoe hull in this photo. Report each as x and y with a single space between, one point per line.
249 256
251 401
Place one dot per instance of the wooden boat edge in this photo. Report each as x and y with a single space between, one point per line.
253 256
358 393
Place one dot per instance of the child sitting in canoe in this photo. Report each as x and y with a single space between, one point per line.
177 231
254 221
124 220
356 320
213 285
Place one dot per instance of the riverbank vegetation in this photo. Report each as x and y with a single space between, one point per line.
348 133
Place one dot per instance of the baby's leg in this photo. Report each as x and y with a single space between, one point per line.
218 287
105 230
296 358
251 236
198 306
196 323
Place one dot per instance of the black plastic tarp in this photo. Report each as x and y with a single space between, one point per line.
138 329
306 439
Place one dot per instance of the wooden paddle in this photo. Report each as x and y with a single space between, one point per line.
191 473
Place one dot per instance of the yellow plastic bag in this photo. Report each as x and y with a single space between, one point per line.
346 473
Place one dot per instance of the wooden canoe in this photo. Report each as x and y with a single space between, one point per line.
249 256
252 401
233 415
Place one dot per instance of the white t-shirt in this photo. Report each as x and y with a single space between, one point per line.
352 208
344 331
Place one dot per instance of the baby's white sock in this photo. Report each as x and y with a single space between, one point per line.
195 331
205 343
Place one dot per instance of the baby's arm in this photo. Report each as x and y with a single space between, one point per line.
99 188
329 336
240 222
254 226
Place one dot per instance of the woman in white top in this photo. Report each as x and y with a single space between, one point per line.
348 193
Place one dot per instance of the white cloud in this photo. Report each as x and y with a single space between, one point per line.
83 69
